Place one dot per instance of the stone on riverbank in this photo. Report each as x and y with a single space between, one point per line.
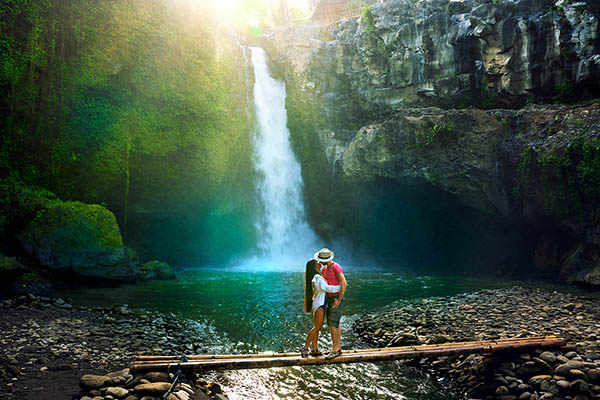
84 238
156 270
154 388
9 266
573 370
51 343
93 381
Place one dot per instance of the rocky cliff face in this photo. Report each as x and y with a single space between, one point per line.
400 94
489 53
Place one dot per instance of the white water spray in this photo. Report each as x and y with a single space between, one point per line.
284 235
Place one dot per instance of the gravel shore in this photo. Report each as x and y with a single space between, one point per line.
570 372
47 345
52 350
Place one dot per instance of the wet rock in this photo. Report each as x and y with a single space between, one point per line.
594 375
214 389
93 381
575 374
83 238
156 270
501 390
579 387
543 371
157 377
155 388
117 392
548 357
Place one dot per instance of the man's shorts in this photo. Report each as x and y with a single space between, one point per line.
334 315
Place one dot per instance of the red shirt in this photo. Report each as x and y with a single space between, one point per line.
330 274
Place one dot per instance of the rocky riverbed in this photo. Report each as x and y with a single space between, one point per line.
569 372
50 349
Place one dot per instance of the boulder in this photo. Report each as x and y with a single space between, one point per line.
590 277
9 266
117 392
156 270
84 238
152 389
90 381
157 377
30 282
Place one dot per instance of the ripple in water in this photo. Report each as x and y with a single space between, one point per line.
250 312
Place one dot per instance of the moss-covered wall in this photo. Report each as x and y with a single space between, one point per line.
138 105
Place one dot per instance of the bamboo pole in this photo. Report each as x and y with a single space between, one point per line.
272 354
353 356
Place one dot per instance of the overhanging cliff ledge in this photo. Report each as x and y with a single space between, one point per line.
471 98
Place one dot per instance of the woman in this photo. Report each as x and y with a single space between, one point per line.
315 288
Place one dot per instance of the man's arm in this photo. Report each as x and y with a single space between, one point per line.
342 280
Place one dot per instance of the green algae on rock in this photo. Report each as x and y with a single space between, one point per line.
156 270
82 237
9 266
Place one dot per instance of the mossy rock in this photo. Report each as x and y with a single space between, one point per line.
156 270
31 282
81 237
20 203
10 266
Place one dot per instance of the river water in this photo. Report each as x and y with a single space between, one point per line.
246 310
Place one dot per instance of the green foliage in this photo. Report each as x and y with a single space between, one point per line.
367 17
488 99
103 96
428 138
564 92
568 179
588 169
6 263
29 277
559 9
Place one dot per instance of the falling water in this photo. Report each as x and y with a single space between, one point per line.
284 234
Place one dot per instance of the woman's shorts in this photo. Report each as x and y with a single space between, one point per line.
324 304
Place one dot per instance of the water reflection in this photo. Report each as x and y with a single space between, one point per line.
254 311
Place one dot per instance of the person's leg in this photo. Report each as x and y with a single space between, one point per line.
335 338
319 314
334 316
328 313
338 338
308 338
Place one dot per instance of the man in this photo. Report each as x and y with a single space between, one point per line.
334 275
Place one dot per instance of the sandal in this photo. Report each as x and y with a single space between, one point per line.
304 352
333 354
316 353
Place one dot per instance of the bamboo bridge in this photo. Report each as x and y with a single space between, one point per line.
201 363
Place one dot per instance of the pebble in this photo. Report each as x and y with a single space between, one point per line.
42 335
501 313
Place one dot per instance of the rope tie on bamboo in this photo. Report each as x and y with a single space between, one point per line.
177 375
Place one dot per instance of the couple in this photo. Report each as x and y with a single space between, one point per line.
323 293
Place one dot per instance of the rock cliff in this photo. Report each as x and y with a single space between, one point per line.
437 93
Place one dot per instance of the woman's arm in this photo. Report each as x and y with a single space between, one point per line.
322 285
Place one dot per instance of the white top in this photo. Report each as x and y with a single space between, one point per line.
320 287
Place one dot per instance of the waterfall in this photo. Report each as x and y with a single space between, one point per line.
284 234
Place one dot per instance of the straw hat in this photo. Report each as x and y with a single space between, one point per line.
324 255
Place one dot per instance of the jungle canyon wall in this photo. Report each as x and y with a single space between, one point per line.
421 117
137 105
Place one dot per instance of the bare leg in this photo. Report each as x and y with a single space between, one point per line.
319 314
313 334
